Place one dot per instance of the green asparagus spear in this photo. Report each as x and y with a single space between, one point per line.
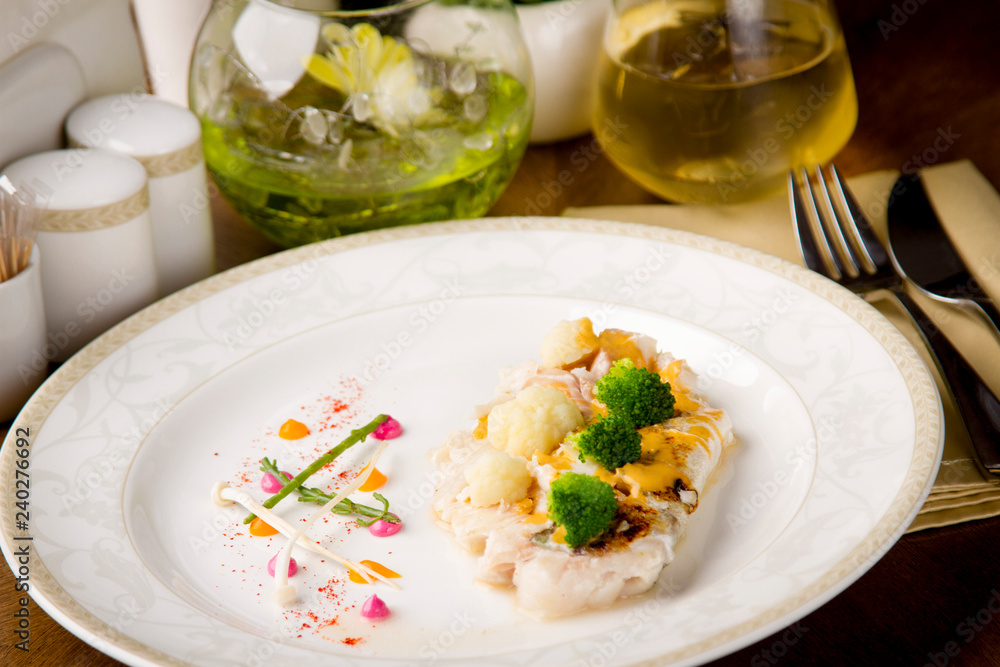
345 506
356 436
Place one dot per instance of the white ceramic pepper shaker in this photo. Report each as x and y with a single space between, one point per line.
166 139
96 236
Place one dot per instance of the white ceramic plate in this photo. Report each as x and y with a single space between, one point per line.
839 430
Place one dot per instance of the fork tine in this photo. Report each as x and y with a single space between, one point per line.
803 230
809 230
868 244
834 224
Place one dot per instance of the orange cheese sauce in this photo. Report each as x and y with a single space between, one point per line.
480 432
524 506
561 388
618 344
599 409
664 454
607 476
682 399
704 431
557 461
683 402
536 518
660 468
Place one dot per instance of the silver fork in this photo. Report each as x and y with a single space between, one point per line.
837 241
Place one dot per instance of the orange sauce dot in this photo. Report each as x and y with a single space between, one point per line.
374 481
293 430
261 529
481 428
356 577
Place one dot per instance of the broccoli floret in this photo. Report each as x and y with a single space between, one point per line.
635 394
583 505
611 441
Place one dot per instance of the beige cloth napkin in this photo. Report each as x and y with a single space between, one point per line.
969 207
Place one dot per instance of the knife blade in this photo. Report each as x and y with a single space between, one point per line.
977 404
926 254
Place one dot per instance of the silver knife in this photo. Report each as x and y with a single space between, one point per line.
972 394
926 254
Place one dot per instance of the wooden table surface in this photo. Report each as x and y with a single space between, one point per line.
921 67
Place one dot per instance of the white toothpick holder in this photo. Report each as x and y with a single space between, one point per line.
96 238
22 338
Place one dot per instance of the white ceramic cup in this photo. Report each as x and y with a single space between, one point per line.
564 39
166 139
96 236
22 338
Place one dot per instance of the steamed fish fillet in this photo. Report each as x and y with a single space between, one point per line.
657 494
552 582
471 525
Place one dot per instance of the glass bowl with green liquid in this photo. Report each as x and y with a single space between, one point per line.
322 118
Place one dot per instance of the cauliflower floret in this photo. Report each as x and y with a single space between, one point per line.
536 420
497 476
568 342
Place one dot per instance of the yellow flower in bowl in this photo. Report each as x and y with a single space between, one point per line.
378 75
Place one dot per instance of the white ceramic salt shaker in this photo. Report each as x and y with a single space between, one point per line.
166 139
96 236
22 338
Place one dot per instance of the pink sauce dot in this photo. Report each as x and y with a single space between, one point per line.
385 528
375 608
292 565
272 484
388 430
